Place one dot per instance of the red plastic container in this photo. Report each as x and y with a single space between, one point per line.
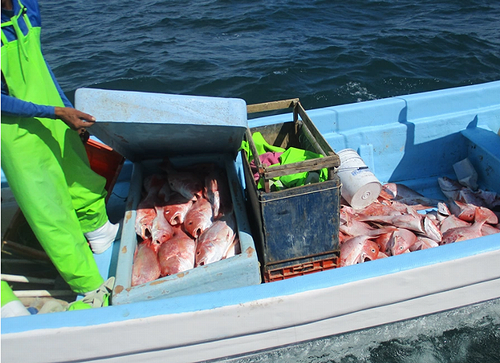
104 161
283 273
19 238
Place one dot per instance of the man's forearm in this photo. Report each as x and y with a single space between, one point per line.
12 106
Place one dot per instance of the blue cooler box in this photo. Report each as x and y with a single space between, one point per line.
145 128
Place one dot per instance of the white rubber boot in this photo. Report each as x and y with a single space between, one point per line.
102 238
11 305
14 308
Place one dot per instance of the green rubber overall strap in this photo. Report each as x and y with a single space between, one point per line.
46 165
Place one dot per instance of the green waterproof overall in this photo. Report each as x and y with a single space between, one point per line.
47 167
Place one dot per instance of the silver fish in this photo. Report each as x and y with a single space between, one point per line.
218 193
450 188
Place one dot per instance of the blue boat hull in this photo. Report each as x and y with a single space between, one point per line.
410 139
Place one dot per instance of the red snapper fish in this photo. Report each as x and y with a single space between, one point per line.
357 250
453 190
452 221
467 212
165 192
449 187
214 243
234 249
490 216
406 195
177 208
488 229
411 220
146 212
146 267
198 218
217 192
383 240
431 229
463 211
379 209
177 254
161 230
352 227
401 240
423 243
144 219
464 233
186 183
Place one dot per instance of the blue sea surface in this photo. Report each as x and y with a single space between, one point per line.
323 52
465 335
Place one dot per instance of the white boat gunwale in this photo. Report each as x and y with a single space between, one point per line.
242 295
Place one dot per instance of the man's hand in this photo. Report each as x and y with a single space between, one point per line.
76 120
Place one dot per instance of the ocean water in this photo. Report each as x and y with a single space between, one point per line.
465 335
323 52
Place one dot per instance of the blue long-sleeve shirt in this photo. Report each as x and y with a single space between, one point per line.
13 106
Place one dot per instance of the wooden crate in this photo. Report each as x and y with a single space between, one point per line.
284 136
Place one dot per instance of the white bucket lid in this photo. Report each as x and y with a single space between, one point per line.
365 195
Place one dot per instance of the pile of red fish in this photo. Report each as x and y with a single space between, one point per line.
402 220
185 219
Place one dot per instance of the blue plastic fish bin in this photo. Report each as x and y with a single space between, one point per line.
146 128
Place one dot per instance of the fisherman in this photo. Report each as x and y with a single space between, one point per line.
43 157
